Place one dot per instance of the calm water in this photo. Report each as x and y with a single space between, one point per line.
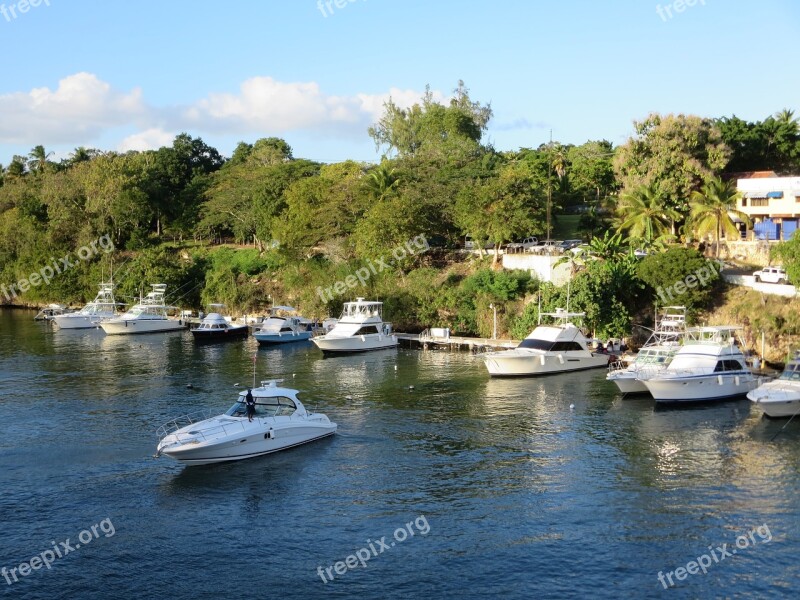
522 496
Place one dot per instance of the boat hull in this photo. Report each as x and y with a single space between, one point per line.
74 321
254 445
267 339
134 326
628 384
351 345
210 335
700 388
514 364
776 399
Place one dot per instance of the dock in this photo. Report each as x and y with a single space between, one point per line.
427 341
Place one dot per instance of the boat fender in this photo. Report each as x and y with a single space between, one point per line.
719 379
736 380
270 435
561 359
541 359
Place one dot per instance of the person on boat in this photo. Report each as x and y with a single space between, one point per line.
250 403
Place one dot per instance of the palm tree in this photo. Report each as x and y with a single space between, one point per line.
712 207
381 181
644 215
81 154
38 158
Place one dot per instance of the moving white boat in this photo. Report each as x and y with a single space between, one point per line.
149 316
280 422
553 348
656 353
780 397
215 327
276 329
709 366
89 317
360 329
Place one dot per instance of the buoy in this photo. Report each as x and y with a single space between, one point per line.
395 367
411 387
235 385
189 385
572 407
348 397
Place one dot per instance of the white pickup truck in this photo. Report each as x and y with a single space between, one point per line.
771 275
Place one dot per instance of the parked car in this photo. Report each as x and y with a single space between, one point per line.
570 244
470 244
771 275
530 242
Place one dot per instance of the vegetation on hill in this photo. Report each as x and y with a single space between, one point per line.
265 226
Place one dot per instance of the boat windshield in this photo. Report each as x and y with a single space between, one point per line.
549 346
791 372
274 406
653 357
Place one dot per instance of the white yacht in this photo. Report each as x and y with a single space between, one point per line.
89 317
280 422
360 328
780 397
656 353
553 348
277 329
150 315
708 366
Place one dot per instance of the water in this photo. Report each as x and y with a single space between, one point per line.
506 489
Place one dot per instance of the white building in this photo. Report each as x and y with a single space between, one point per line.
772 203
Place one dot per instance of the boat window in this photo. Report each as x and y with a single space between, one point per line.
367 329
792 372
727 365
535 344
286 329
565 346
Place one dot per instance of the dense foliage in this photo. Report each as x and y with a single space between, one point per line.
265 226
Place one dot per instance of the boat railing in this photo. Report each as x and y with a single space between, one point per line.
647 372
617 365
184 420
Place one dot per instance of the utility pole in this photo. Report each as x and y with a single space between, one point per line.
549 181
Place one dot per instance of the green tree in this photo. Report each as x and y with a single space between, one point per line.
673 153
38 159
644 214
712 208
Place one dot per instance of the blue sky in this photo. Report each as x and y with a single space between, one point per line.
130 75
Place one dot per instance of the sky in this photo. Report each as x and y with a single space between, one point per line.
121 76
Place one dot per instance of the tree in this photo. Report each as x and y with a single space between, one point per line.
644 215
38 159
679 276
673 153
381 181
504 207
431 126
591 171
712 207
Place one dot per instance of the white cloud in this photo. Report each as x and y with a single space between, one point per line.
83 110
78 110
149 139
265 105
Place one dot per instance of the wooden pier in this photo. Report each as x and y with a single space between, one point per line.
426 341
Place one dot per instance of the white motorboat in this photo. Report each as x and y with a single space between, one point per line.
709 366
557 347
215 327
656 353
360 329
780 397
277 329
89 317
150 315
280 422
49 312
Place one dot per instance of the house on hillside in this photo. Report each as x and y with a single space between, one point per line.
772 203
